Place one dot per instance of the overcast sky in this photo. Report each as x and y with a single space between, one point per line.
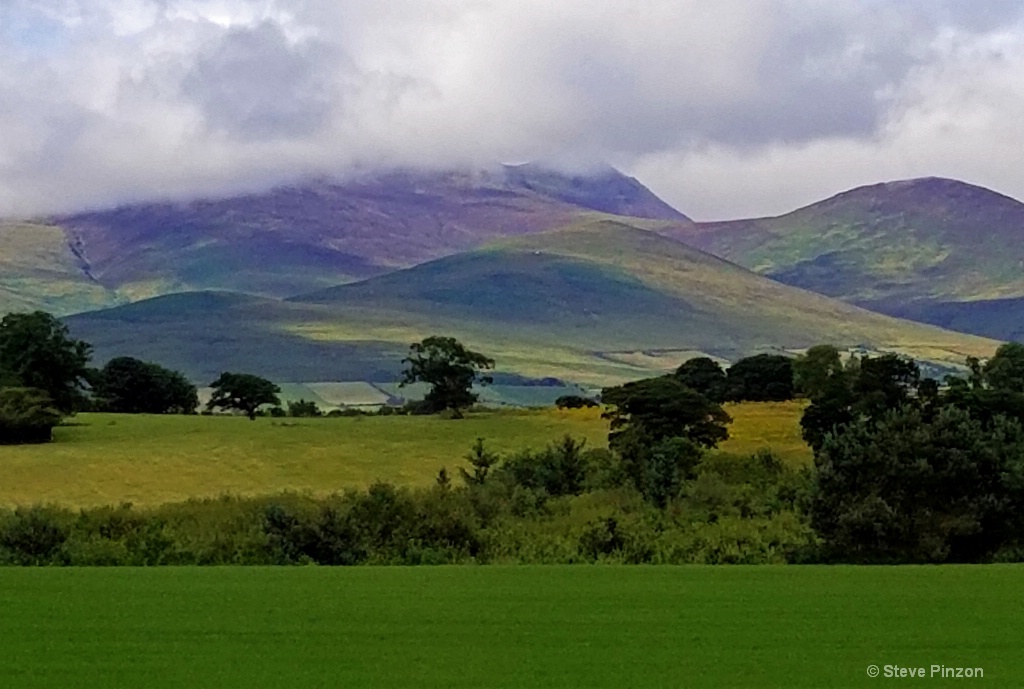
726 108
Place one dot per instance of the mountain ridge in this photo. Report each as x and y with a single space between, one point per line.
596 302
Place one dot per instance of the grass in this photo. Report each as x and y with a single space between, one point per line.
149 460
499 627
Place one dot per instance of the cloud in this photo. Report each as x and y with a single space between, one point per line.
727 108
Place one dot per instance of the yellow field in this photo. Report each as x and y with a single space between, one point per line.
148 460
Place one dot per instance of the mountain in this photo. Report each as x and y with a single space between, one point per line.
298 238
595 302
921 248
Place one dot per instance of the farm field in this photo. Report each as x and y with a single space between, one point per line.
497 627
103 459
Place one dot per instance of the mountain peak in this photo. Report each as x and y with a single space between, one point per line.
601 187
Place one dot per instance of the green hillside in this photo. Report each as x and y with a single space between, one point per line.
38 269
900 248
593 303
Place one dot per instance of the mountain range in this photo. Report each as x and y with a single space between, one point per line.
588 277
935 250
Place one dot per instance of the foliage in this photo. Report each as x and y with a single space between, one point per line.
126 385
243 392
302 408
482 460
451 370
36 351
705 376
866 388
661 408
906 489
760 378
1005 370
27 415
560 469
817 371
575 402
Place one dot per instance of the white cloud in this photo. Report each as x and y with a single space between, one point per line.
728 108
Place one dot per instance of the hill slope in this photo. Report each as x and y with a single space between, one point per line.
596 302
299 238
901 247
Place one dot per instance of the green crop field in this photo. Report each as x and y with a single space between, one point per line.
506 626
106 459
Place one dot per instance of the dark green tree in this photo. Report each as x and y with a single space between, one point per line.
243 392
665 408
760 378
886 382
867 388
450 369
302 408
129 386
36 351
27 415
905 489
705 376
815 372
1005 370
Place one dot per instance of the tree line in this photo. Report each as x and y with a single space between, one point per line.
45 375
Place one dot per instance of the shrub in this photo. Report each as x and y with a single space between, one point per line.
575 402
27 415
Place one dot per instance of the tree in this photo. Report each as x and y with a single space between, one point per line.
761 378
27 415
36 351
705 376
450 369
302 408
905 489
1005 370
665 408
817 370
129 386
867 388
575 402
886 382
244 392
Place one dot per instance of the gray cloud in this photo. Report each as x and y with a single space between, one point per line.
254 84
719 106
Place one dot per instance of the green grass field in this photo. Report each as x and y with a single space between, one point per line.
107 459
147 460
506 627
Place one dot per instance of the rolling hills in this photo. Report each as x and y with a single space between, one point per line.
297 238
595 302
928 249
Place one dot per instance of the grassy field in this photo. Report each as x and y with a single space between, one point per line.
148 460
496 627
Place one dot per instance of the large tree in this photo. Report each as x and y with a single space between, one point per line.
130 386
664 408
905 488
704 375
450 369
36 351
760 378
243 392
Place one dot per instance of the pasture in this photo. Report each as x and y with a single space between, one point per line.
103 459
814 627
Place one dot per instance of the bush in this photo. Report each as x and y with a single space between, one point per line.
27 415
575 402
34 536
304 409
